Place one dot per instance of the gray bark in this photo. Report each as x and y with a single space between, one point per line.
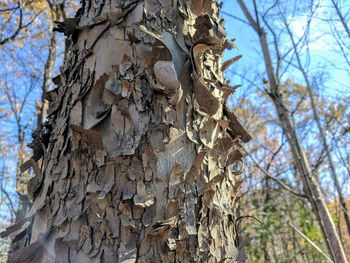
138 145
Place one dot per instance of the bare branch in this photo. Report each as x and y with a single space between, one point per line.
311 242
282 184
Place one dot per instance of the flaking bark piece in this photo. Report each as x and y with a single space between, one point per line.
230 44
228 90
143 198
170 43
208 132
114 85
176 178
160 227
201 50
14 229
31 253
238 253
97 110
128 126
40 200
197 52
166 75
236 129
68 27
229 62
92 137
200 7
25 166
85 241
35 182
51 95
207 103
57 80
190 132
195 169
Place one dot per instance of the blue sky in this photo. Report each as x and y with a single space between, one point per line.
322 53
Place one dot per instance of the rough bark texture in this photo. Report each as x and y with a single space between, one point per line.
22 178
141 157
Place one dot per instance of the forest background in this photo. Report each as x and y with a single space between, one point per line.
309 47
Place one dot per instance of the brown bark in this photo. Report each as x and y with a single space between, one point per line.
23 202
310 182
22 179
141 158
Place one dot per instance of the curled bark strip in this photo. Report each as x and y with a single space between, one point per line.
207 102
170 43
12 230
229 62
236 129
31 253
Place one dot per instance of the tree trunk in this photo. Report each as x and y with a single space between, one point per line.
140 155
311 187
310 182
42 107
43 104
23 202
341 17
322 134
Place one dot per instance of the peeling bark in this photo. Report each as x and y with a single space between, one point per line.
137 162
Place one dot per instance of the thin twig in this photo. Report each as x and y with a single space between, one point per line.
311 242
284 185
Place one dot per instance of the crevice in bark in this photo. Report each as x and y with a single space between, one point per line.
124 179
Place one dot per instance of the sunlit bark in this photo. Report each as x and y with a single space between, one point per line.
141 157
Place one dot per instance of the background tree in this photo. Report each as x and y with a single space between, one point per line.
26 38
296 99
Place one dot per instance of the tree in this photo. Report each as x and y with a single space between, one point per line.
141 156
319 125
24 25
301 161
57 12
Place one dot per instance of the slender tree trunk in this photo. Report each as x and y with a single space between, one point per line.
342 202
341 17
22 179
140 155
310 183
333 171
274 250
295 242
49 65
23 202
311 186
267 201
43 104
